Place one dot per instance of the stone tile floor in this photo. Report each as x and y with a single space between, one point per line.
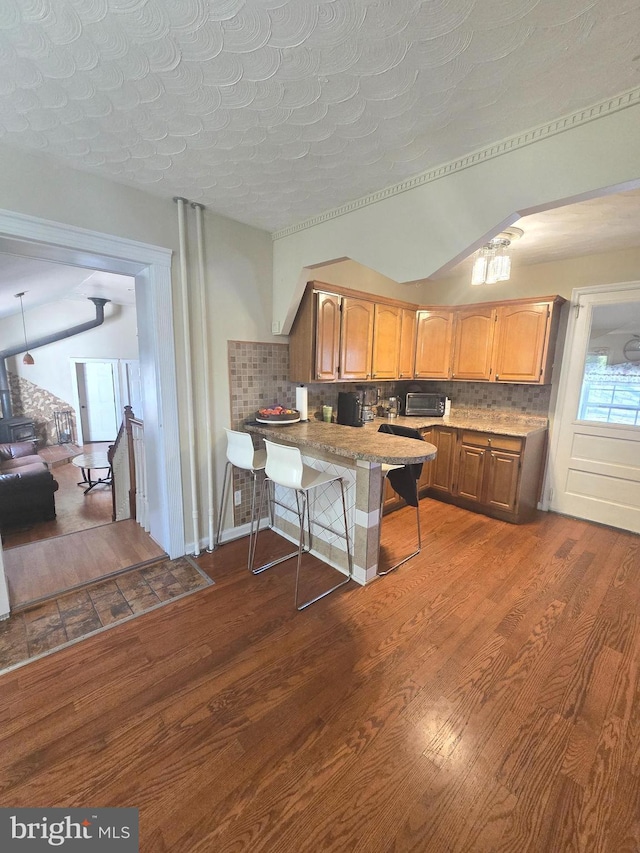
48 626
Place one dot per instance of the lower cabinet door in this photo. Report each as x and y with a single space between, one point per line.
471 473
444 463
502 479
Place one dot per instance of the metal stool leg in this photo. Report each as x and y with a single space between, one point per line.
346 537
254 523
415 553
266 485
222 500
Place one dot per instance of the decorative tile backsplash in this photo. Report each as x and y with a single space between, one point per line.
259 376
520 399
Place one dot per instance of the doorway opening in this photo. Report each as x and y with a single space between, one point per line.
73 397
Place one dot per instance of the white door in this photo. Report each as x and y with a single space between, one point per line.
97 394
594 463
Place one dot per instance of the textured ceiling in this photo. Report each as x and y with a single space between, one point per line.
272 111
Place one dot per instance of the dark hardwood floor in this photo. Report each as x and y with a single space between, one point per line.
482 699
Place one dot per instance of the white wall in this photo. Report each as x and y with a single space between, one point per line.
117 337
351 274
410 235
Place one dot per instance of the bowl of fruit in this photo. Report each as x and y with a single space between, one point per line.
277 415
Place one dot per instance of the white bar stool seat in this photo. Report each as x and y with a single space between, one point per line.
242 455
285 468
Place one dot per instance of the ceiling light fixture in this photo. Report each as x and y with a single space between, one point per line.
27 358
492 261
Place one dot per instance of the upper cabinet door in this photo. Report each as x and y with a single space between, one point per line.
407 357
386 342
472 352
522 342
356 339
327 336
433 345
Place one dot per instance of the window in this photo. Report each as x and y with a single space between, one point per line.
611 394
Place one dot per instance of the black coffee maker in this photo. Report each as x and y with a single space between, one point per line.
349 409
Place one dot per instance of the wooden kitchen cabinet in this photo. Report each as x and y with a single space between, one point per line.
341 335
407 357
502 479
356 338
470 472
314 342
473 343
488 469
497 475
500 474
327 337
507 342
525 341
433 344
386 341
443 466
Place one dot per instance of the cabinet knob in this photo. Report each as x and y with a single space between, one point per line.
497 377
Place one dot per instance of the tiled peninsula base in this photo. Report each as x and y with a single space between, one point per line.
362 481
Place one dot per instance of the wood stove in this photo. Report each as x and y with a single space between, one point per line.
17 429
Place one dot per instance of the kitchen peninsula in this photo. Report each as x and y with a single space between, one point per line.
356 454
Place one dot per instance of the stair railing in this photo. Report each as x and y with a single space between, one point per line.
127 459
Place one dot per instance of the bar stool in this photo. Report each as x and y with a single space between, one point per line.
404 481
241 454
285 468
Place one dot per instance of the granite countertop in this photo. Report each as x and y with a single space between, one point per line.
368 444
364 443
481 420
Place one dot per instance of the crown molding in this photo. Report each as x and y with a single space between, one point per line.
497 149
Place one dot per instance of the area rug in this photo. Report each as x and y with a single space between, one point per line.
59 622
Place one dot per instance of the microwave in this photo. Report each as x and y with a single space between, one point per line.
424 405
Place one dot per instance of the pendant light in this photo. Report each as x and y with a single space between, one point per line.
27 358
492 261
